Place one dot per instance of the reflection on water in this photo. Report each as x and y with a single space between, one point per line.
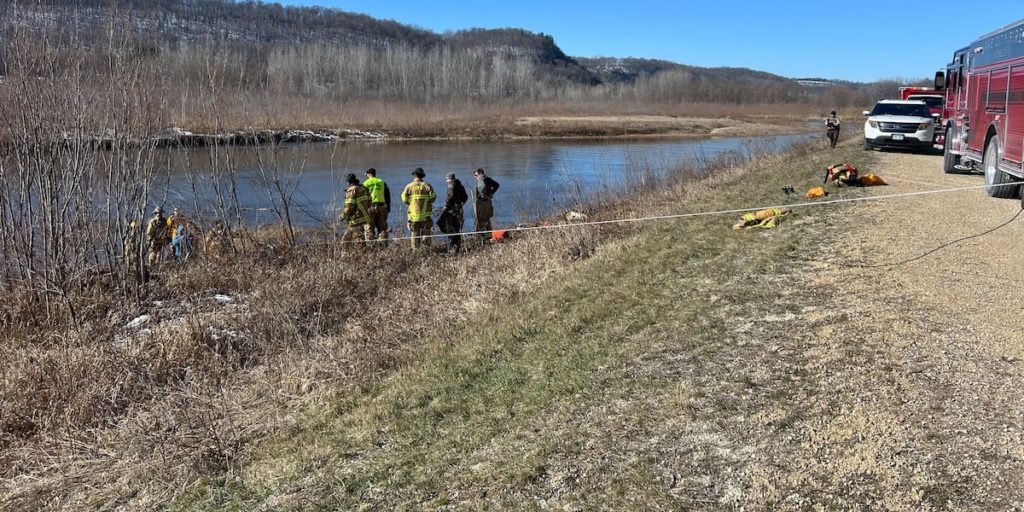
537 178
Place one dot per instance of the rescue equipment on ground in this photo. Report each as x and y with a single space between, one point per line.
765 219
872 180
841 174
816 192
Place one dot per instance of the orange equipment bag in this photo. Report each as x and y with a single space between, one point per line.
872 180
816 192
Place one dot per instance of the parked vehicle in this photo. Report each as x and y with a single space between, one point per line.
899 124
983 111
933 97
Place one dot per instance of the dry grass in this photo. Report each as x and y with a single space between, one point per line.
473 120
605 387
105 407
99 398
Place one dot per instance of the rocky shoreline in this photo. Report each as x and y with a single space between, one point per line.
176 137
584 127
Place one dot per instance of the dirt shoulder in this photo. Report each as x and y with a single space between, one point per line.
927 355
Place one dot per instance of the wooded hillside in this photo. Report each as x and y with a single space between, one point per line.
314 52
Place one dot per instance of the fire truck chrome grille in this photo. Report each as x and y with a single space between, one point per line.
898 127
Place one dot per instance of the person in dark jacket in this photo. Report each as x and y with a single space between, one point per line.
453 210
832 129
486 187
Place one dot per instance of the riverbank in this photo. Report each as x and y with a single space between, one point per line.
656 373
534 127
289 344
684 365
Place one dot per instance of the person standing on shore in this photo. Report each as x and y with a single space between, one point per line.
453 207
486 187
176 219
380 204
133 261
179 229
832 129
217 241
157 236
419 197
356 211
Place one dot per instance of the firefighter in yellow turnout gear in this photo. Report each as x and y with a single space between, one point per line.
419 197
764 219
356 211
157 236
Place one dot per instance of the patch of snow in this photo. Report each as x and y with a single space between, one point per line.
307 136
360 134
121 341
780 318
138 322
572 216
219 334
174 131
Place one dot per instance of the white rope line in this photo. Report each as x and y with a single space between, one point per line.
678 215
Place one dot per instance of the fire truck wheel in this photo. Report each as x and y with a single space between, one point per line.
949 160
997 183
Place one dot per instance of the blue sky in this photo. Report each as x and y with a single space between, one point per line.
861 41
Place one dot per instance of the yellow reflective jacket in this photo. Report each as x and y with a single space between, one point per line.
378 191
357 205
419 195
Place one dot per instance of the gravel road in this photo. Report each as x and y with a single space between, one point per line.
923 362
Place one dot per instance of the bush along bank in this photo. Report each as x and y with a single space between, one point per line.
245 369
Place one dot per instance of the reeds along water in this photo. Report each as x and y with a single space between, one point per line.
200 379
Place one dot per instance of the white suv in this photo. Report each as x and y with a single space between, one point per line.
906 124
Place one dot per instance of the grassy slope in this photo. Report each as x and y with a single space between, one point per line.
662 372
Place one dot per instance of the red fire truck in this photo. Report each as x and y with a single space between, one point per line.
933 97
983 114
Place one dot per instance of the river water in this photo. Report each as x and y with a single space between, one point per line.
538 178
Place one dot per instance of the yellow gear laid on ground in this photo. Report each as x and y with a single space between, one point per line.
764 219
816 192
872 180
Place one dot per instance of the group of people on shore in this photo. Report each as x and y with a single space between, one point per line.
367 205
365 212
168 237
